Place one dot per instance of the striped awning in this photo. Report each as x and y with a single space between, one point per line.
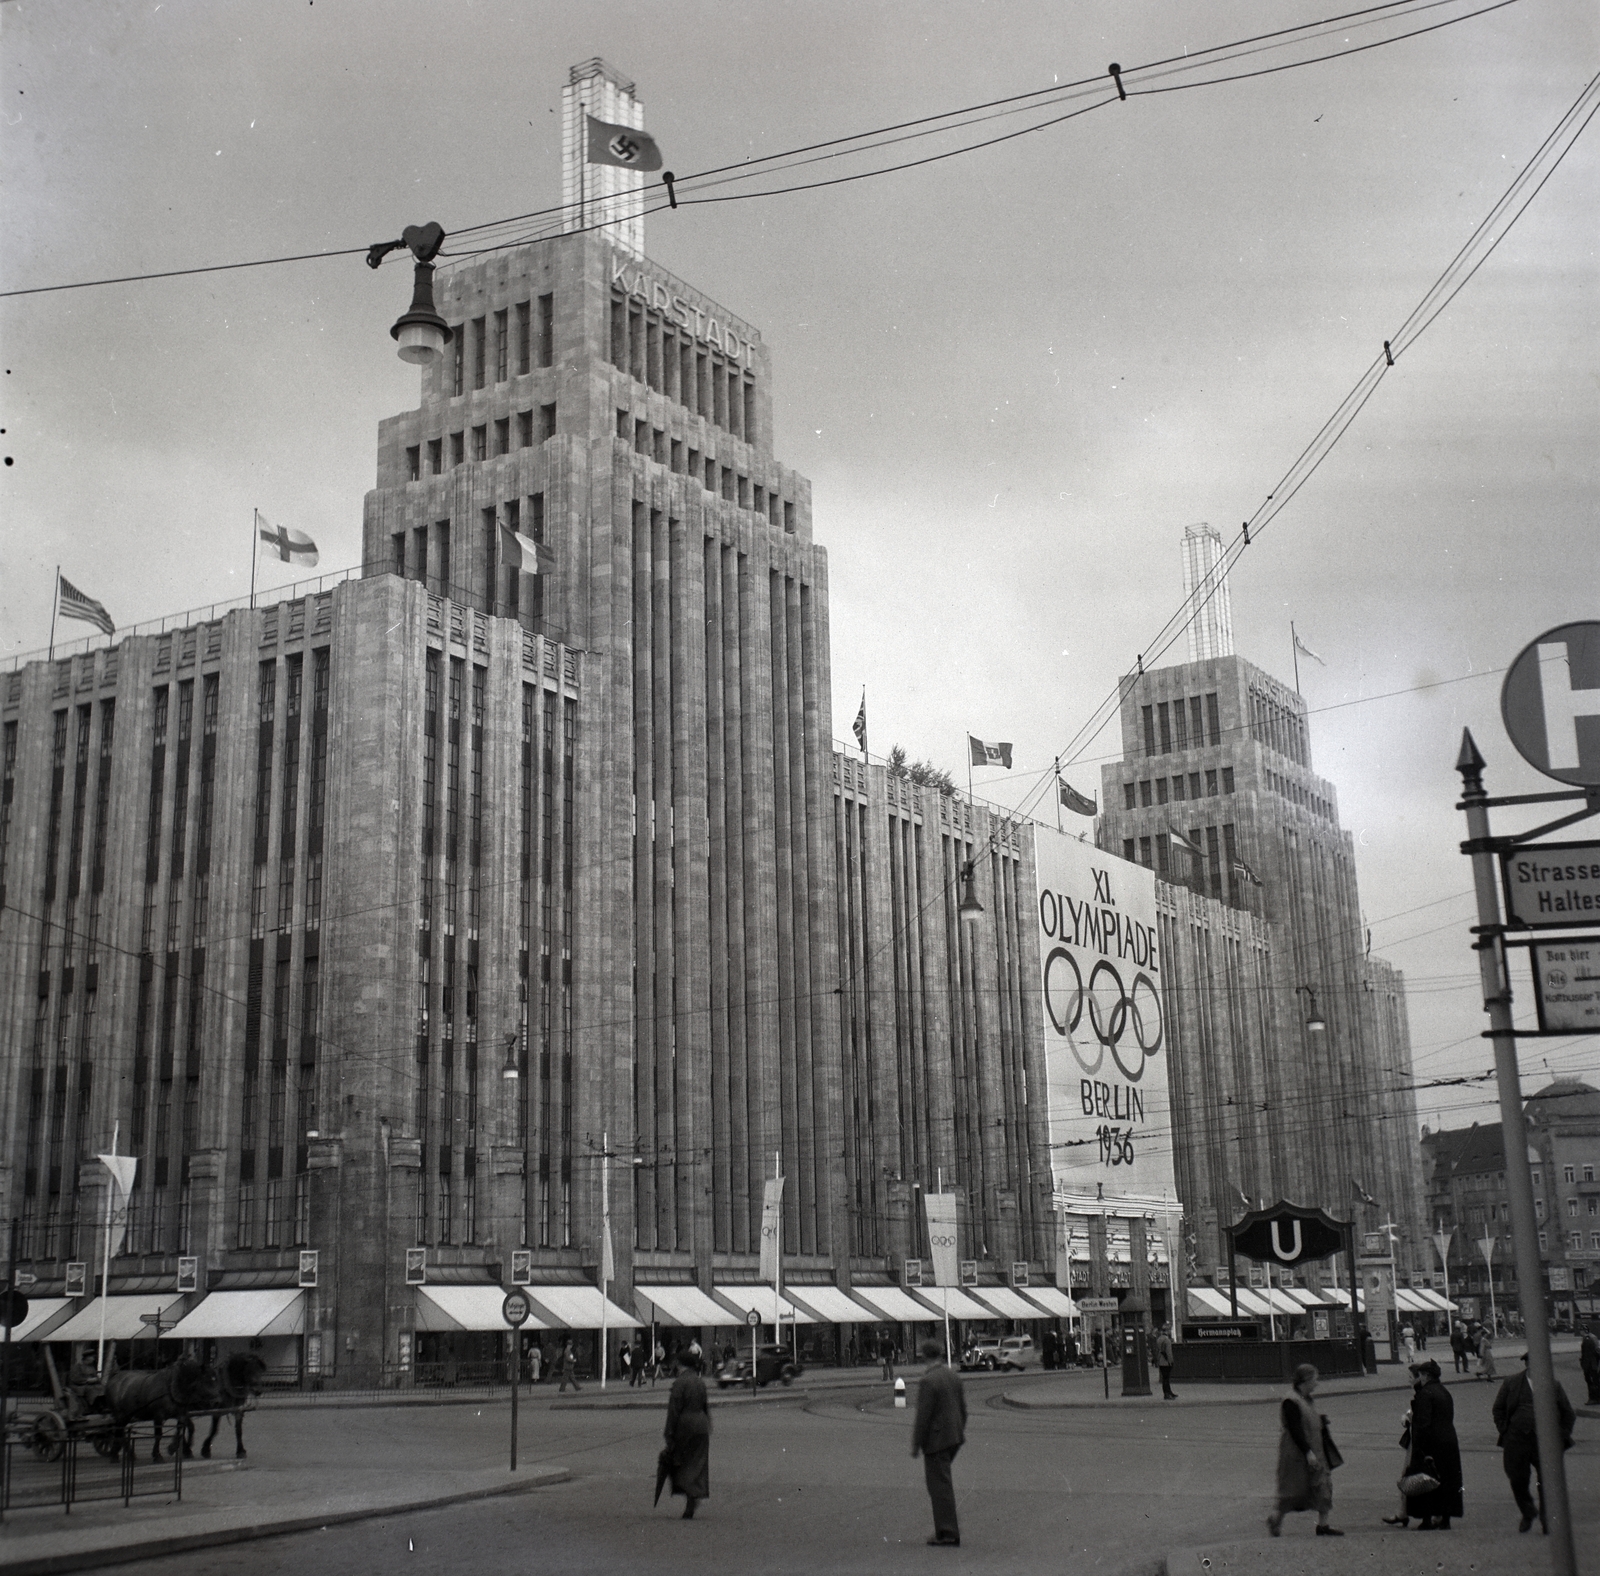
749 1296
443 1308
953 1302
280 1310
685 1306
575 1308
1005 1302
44 1314
1052 1301
124 1318
892 1304
832 1305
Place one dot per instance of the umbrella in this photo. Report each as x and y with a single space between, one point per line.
663 1472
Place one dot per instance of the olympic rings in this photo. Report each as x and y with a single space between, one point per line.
1112 1008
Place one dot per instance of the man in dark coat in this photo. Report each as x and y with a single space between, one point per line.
1434 1450
1519 1445
688 1435
1589 1361
940 1430
1164 1362
1458 1345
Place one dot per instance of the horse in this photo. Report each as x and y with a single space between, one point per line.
164 1394
237 1385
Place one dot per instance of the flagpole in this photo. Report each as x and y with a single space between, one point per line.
777 1257
255 537
1294 648
55 602
105 1260
605 1244
1058 790
583 158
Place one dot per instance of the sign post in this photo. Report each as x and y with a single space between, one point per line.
515 1310
1101 1309
1550 704
753 1319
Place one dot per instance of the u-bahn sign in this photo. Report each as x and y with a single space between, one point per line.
1550 703
1288 1234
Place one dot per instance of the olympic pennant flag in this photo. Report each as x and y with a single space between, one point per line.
1104 1024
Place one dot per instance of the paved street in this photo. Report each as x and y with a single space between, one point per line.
826 1483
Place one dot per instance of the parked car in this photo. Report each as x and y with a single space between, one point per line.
983 1353
1018 1351
772 1362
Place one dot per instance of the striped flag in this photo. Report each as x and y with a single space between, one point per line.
1183 842
989 754
292 547
519 552
859 726
74 604
1245 873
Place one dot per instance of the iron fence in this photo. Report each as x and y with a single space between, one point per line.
80 1465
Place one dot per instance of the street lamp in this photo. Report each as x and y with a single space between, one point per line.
421 332
510 1071
1314 1020
971 910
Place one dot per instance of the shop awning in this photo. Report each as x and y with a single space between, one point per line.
681 1305
1055 1302
1436 1300
1409 1301
278 1311
745 1297
441 1308
123 1321
1252 1302
576 1308
832 1306
1005 1302
1279 1301
892 1304
44 1314
952 1300
1305 1296
1207 1303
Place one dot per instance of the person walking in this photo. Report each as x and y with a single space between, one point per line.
1436 1451
535 1362
1401 1517
1458 1345
687 1455
636 1363
1305 1458
1589 1362
1519 1445
625 1361
569 1369
1486 1355
886 1355
1408 1346
1164 1362
939 1432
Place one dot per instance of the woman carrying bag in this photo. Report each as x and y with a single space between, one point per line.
1433 1485
1402 1517
1307 1456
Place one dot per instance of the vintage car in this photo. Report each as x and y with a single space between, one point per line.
772 1362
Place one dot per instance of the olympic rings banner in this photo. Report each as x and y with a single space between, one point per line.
1105 1029
941 1212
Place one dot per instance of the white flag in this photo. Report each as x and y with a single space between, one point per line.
122 1169
608 1263
941 1212
1306 651
771 1226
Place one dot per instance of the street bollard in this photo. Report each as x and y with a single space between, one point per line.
900 1393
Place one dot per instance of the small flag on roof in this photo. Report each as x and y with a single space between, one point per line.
625 146
989 754
74 604
859 726
1073 800
520 552
1245 873
292 547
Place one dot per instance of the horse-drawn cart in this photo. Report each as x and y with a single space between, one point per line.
87 1420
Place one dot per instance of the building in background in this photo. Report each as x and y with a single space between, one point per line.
1291 1058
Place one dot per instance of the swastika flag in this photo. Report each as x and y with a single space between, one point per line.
623 146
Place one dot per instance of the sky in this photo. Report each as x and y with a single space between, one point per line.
1013 376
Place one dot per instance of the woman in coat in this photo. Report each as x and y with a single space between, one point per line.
1401 1517
688 1437
1434 1450
1305 1480
1486 1355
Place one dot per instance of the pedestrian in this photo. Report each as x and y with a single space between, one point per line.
938 1433
636 1364
688 1436
886 1355
1589 1362
658 1360
1486 1356
1519 1444
1434 1451
1306 1458
1408 1346
1401 1517
569 1369
850 1350
1458 1345
1164 1362
625 1362
535 1362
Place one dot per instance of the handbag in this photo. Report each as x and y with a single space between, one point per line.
1419 1482
1330 1451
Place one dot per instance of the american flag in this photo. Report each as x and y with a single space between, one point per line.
74 604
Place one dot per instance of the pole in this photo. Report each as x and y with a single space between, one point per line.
5 1373
55 602
105 1261
1233 1279
777 1257
1490 947
1294 647
605 1246
516 1388
255 551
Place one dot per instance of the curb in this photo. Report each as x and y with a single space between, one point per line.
124 1552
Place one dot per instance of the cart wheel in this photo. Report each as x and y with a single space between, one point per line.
49 1436
107 1441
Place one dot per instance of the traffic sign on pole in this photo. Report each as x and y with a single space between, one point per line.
515 1309
1550 703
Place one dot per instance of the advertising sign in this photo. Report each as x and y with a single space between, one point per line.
1377 1287
1566 985
308 1268
416 1266
1109 1110
77 1280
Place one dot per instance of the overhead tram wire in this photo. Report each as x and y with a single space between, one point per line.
1188 62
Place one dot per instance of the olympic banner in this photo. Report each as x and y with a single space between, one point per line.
941 1212
1104 1024
771 1228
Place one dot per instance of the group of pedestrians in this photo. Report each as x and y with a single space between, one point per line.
1431 1484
